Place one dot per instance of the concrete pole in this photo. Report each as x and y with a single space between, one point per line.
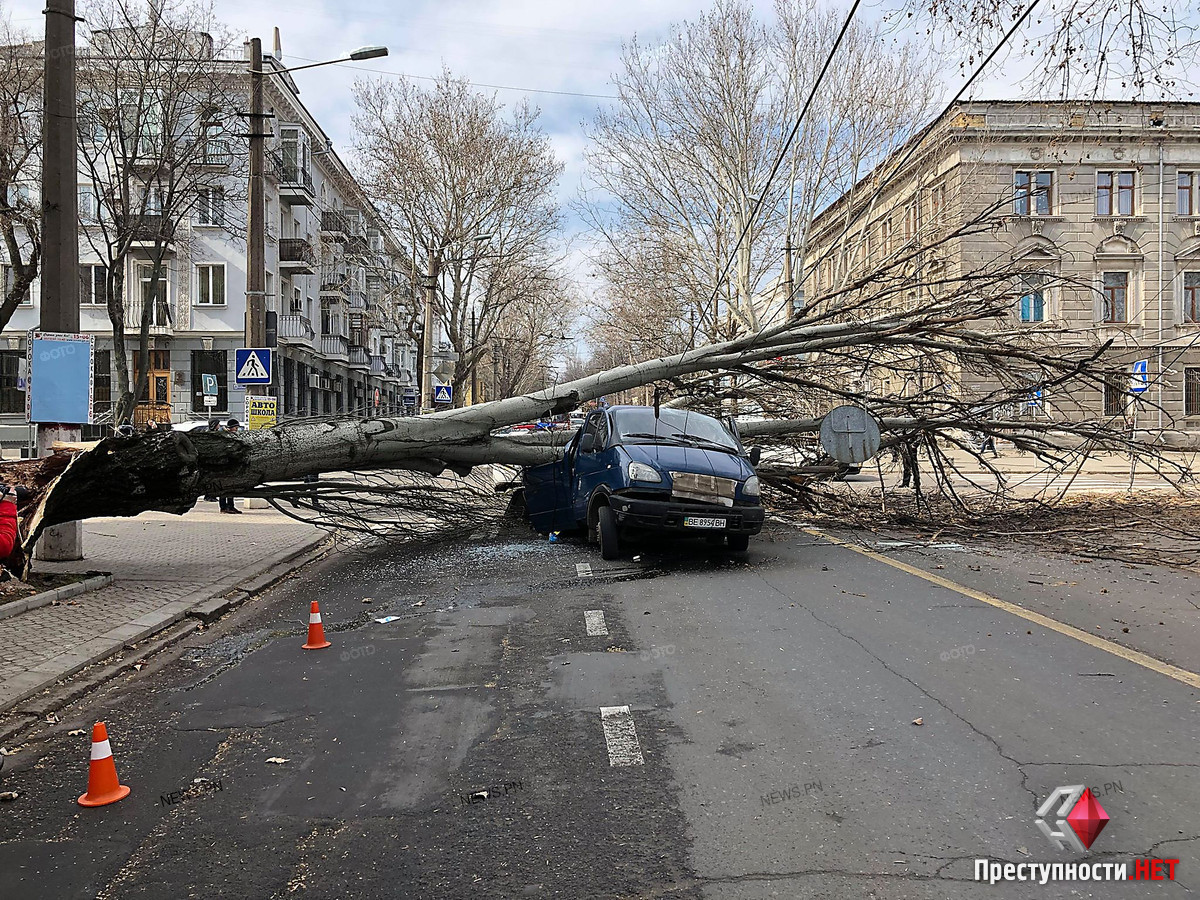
256 231
474 362
60 232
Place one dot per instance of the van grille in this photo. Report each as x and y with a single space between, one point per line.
704 488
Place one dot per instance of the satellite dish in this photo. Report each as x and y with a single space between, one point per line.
850 435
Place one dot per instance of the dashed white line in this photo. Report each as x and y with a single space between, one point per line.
583 570
594 619
621 736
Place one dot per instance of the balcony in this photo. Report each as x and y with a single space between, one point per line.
152 229
216 154
378 366
334 226
359 358
295 182
162 316
335 346
297 329
296 256
334 282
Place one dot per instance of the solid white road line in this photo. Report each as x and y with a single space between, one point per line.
621 736
594 619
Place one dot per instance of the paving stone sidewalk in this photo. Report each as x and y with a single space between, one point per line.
162 565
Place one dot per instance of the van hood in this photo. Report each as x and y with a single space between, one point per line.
673 458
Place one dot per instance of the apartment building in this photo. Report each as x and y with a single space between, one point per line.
337 286
1097 210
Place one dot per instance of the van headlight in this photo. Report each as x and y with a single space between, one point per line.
642 472
750 486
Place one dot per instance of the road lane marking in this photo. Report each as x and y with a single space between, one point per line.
583 570
620 736
594 619
1138 659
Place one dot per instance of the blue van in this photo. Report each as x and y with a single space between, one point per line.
634 469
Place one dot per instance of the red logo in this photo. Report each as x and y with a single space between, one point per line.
1080 818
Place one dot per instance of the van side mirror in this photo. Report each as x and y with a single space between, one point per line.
755 455
586 443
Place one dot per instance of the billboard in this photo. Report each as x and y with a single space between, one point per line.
60 378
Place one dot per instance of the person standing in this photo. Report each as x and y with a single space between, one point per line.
227 504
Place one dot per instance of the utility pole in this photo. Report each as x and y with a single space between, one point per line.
474 361
256 232
431 274
60 231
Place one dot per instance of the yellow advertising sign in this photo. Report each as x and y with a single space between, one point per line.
261 412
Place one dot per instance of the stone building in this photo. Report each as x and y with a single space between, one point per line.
1097 210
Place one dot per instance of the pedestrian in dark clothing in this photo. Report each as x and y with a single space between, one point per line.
213 425
910 470
989 443
227 505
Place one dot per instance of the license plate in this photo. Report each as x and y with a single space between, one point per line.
702 522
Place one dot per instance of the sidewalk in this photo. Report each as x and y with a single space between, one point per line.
162 566
1011 460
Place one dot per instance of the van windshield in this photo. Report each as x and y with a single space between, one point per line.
638 425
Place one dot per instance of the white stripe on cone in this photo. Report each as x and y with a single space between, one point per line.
101 749
314 618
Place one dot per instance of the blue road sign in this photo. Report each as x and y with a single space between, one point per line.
1034 400
443 393
1141 376
253 365
210 386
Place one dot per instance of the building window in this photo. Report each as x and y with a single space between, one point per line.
89 205
12 398
1033 297
8 277
210 362
937 201
1191 297
1114 193
1032 193
91 285
211 284
1185 193
885 237
1115 394
297 302
1115 302
154 292
1191 392
210 206
102 380
910 221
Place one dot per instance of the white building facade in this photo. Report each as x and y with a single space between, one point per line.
338 290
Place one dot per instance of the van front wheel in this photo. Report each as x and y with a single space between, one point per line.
606 529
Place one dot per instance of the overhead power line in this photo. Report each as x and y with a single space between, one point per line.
762 192
480 84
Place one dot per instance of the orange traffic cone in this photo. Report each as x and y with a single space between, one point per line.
103 786
316 632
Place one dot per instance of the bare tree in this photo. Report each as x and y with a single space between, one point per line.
470 189
1078 48
680 167
156 103
20 158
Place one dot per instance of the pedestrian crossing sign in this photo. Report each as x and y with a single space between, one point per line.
253 365
1141 376
443 393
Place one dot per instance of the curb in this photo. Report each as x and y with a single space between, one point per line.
45 598
114 641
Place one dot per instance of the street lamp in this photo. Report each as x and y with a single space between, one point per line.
256 238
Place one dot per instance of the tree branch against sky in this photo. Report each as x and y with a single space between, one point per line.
470 186
20 159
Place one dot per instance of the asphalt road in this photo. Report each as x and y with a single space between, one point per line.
769 748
